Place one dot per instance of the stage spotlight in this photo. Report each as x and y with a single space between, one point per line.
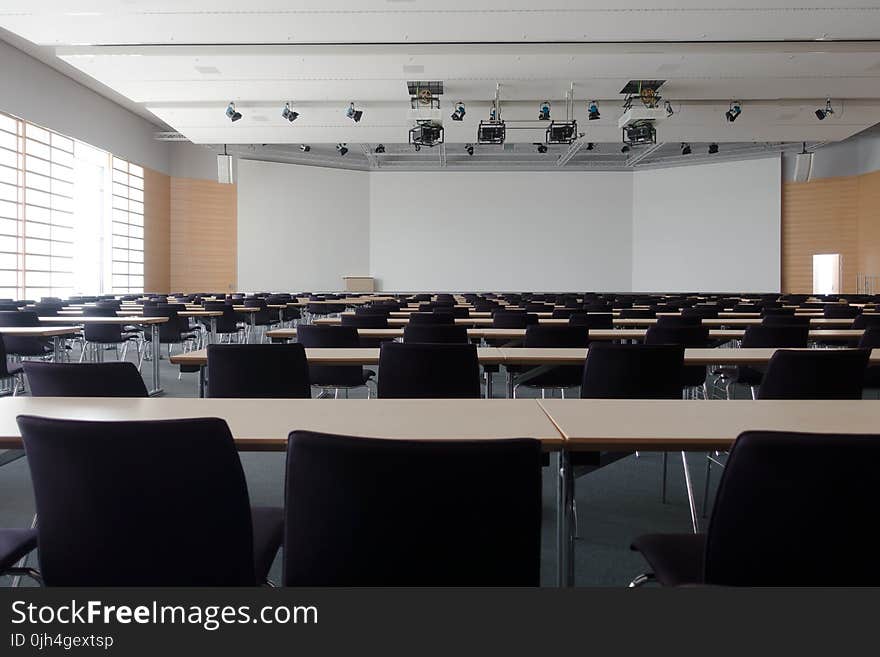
459 112
231 113
823 114
625 148
685 149
305 148
380 149
469 149
542 148
713 149
735 110
669 110
288 113
544 111
354 114
593 111
343 149
591 146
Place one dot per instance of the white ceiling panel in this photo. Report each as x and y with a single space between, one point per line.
57 22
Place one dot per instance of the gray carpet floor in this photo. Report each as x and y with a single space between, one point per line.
614 504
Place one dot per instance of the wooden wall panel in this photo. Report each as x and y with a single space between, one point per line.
821 216
203 236
157 231
869 224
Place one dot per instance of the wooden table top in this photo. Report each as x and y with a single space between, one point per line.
337 356
666 425
130 319
264 424
39 331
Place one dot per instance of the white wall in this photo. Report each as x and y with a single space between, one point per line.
501 230
300 228
35 92
709 227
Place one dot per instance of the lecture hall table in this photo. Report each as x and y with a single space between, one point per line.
54 332
683 425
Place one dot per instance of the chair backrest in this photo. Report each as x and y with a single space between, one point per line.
556 335
686 336
870 338
4 364
676 321
513 319
636 313
435 333
785 320
864 321
790 511
774 310
632 371
365 321
334 337
367 512
764 336
155 503
113 379
417 370
841 310
19 318
703 312
258 371
815 374
431 318
592 320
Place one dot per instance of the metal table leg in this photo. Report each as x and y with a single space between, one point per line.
213 330
564 514
202 381
157 351
489 389
57 348
253 327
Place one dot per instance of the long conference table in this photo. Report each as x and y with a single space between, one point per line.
562 426
536 357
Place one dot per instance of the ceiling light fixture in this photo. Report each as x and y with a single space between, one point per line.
232 113
735 110
288 113
823 114
353 113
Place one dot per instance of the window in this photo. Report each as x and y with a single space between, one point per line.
127 228
71 216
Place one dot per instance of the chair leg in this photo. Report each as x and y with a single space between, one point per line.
706 487
663 480
641 580
690 493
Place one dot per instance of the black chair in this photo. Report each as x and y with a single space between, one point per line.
548 336
630 371
367 512
334 377
871 340
637 313
864 321
592 320
790 511
693 376
258 371
24 346
365 321
116 379
815 374
152 503
431 318
678 321
513 319
228 324
15 545
11 373
841 311
419 371
435 333
766 337
785 320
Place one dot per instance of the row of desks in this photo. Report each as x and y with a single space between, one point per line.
563 427
819 322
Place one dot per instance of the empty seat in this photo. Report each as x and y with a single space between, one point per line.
366 512
117 379
152 503
549 336
417 370
439 334
258 370
815 374
334 377
773 524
